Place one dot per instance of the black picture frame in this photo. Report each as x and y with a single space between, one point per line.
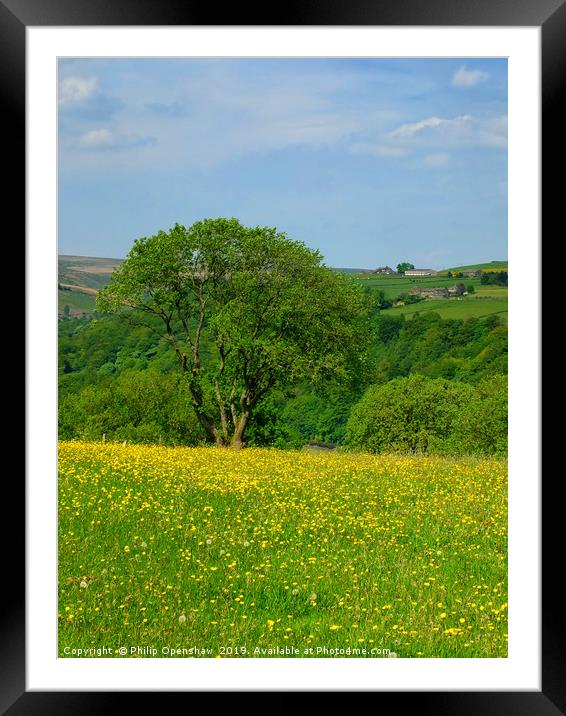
550 15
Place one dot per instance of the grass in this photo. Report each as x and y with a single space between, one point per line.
489 266
493 291
87 271
396 285
262 549
78 302
468 307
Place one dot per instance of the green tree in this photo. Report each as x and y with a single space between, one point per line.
481 425
139 406
389 327
245 310
405 266
407 414
470 288
497 278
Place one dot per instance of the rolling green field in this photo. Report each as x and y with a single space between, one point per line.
261 552
86 272
489 266
468 307
77 301
485 301
94 273
395 285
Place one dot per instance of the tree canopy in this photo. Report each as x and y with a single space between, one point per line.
245 310
404 266
425 415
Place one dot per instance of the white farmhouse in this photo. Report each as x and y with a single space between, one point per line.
421 272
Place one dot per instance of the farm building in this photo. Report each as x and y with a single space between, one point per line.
472 273
384 271
456 290
429 292
420 272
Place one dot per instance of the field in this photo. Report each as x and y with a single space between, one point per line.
91 274
86 275
392 286
241 553
79 302
485 300
490 266
86 270
468 307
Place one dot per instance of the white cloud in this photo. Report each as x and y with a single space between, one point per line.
436 160
225 111
436 134
106 139
468 78
465 130
75 90
97 138
379 150
230 114
407 131
226 115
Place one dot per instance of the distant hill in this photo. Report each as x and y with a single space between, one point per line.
80 278
490 266
89 271
350 270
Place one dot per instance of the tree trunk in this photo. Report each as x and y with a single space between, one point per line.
219 440
206 424
238 437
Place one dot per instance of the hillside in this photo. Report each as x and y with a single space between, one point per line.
484 301
80 278
490 266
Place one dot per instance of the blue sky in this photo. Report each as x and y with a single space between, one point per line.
372 161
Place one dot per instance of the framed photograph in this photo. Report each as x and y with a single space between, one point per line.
283 401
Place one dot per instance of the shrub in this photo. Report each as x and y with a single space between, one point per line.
481 425
138 406
406 414
437 416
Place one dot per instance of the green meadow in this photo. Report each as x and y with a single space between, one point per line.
267 552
